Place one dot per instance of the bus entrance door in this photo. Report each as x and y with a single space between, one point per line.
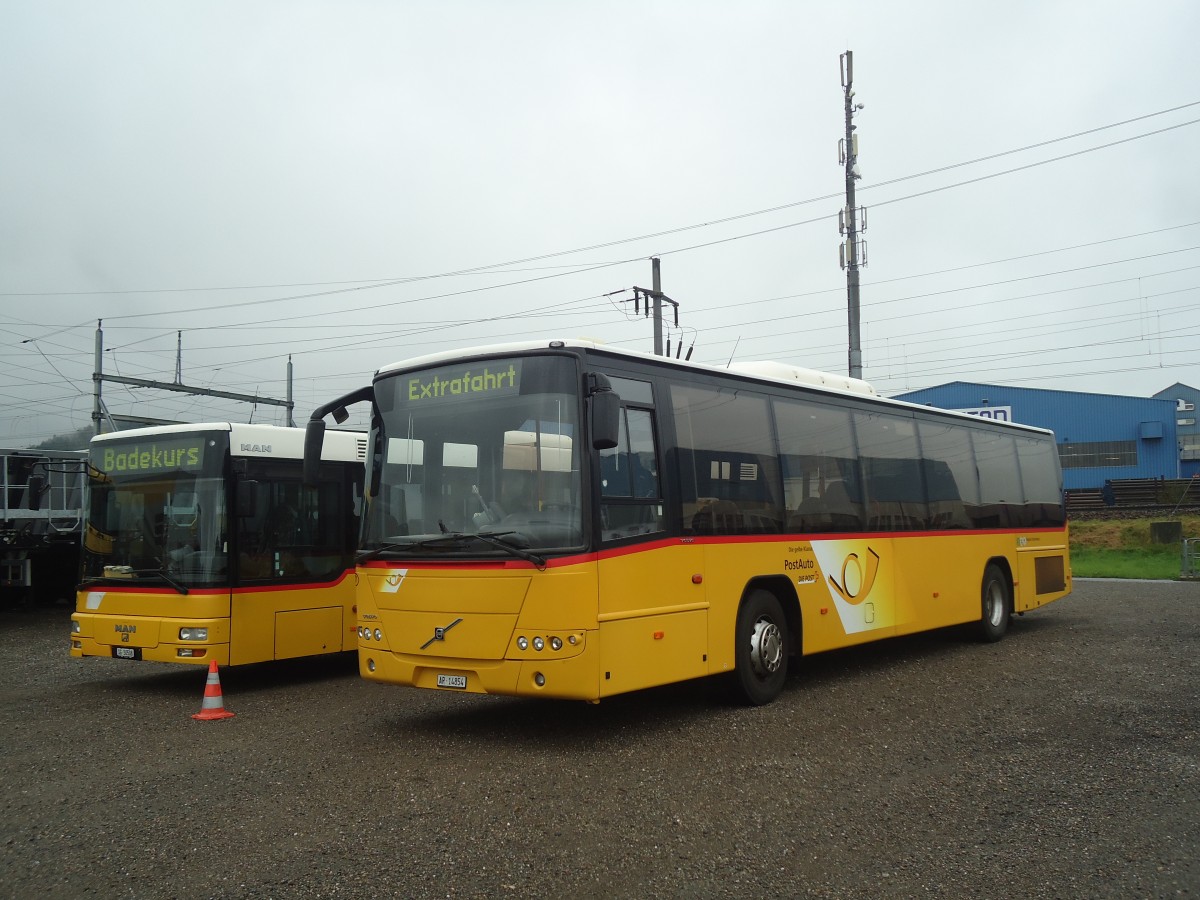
653 618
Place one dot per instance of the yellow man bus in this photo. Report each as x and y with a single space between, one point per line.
569 520
202 543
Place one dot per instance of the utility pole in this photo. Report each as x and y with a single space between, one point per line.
852 252
656 282
290 404
655 293
646 295
98 377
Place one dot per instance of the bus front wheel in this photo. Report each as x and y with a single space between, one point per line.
762 648
996 604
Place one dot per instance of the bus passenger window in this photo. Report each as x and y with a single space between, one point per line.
821 484
727 462
887 445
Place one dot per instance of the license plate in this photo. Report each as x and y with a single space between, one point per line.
127 652
452 681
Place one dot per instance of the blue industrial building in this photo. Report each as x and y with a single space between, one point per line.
1100 437
1186 399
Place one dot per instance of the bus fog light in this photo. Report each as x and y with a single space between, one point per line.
378 635
539 679
555 643
370 665
523 642
538 644
193 634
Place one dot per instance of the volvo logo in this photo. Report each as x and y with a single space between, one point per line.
439 633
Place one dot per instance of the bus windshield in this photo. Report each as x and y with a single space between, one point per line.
156 514
478 459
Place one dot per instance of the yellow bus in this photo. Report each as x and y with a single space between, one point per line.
201 543
569 520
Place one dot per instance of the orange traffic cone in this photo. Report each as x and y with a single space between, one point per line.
213 706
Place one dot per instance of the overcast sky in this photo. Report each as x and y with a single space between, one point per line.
316 180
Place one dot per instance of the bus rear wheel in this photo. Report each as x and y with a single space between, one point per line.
995 604
762 648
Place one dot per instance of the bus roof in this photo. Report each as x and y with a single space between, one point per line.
259 441
766 370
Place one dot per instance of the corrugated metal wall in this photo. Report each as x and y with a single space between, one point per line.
1076 418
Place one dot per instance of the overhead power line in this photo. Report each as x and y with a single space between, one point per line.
370 284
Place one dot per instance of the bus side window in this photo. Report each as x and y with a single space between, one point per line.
629 485
727 462
951 479
887 444
1038 458
1001 499
820 467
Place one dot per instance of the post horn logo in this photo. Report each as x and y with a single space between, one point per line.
856 584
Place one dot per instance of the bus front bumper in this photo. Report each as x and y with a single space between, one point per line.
150 639
574 678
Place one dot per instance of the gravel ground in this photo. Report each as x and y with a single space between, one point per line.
1061 762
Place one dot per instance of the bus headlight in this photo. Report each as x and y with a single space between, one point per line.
554 643
193 634
75 628
378 635
363 633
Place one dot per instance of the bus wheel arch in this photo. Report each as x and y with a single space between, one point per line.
766 633
996 600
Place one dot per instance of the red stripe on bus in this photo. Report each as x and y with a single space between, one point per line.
707 540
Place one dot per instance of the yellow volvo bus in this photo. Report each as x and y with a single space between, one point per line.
202 543
569 520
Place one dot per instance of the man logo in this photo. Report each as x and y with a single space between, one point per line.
855 584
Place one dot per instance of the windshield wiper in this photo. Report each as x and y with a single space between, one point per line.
492 538
127 576
385 548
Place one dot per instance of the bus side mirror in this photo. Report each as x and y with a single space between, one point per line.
37 487
247 499
605 419
314 439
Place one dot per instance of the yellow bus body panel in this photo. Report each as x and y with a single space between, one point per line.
664 612
244 625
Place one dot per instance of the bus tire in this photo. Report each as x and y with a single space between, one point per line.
762 648
995 604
